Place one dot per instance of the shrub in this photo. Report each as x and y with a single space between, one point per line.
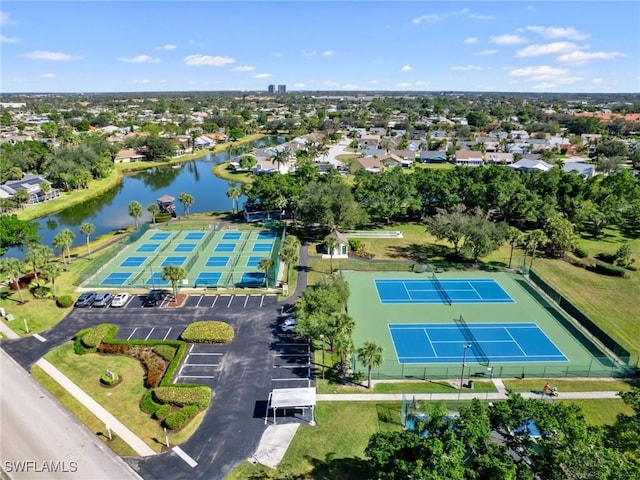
354 245
181 395
162 217
580 252
64 301
162 412
78 347
148 405
208 332
109 380
94 337
180 418
608 269
167 379
165 351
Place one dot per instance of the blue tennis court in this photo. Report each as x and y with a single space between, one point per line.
160 236
490 342
194 236
266 235
208 278
116 279
148 247
225 247
458 290
177 261
232 236
133 261
156 279
252 279
262 247
217 262
185 247
254 261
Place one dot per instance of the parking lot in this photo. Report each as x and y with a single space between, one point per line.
201 364
228 301
292 367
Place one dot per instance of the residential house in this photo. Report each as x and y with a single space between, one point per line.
433 156
33 185
371 164
499 158
470 158
408 155
369 141
585 169
127 155
392 160
527 165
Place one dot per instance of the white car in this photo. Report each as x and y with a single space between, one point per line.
289 325
120 300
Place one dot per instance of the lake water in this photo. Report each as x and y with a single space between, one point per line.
109 212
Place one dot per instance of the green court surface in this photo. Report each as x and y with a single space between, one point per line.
419 328
212 259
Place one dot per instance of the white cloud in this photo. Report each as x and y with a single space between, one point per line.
48 75
349 86
404 85
139 59
507 39
298 85
309 53
277 54
191 82
4 19
487 52
438 17
373 82
263 75
540 73
470 40
4 39
547 49
208 60
422 83
477 16
467 68
243 68
53 56
142 82
557 32
406 68
167 47
328 53
430 18
330 83
597 80
580 57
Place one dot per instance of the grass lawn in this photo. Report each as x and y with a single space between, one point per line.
595 385
600 411
327 386
121 401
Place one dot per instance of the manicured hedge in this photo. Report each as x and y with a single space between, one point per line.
64 301
165 351
162 412
208 332
181 395
94 337
180 418
580 252
148 405
608 269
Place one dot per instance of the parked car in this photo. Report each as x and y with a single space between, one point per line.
103 300
86 299
120 300
289 325
155 297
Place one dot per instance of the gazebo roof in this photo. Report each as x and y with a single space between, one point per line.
340 236
166 198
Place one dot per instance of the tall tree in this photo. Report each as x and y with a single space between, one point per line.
266 264
534 240
87 229
186 200
174 274
153 209
370 354
62 241
13 269
36 256
135 211
234 193
289 255
52 271
331 243
16 233
515 237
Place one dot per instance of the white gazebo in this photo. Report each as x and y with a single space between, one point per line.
284 398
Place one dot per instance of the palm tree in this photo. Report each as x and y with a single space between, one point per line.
87 229
63 241
289 255
332 243
46 189
280 156
21 197
13 268
174 274
186 200
35 257
344 347
265 264
535 239
515 237
52 271
370 354
153 209
291 241
135 211
234 193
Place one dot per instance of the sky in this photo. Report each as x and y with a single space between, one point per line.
135 46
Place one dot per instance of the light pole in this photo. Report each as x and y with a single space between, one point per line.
322 340
464 359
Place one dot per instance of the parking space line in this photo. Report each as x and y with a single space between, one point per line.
168 331
214 301
134 331
230 300
306 365
128 301
196 376
261 301
181 453
201 364
246 299
292 354
191 348
149 334
199 300
204 353
289 379
180 369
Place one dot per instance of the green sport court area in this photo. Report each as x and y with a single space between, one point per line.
212 259
497 323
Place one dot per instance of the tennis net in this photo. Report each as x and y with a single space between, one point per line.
469 337
441 291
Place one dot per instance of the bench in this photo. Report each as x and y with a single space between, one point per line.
8 317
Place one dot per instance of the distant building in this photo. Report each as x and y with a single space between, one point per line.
272 89
282 89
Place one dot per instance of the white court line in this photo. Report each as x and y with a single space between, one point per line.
134 331
40 337
165 337
190 461
150 332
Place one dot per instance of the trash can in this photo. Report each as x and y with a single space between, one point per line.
471 384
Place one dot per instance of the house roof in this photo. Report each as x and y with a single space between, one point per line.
468 154
340 236
369 162
166 198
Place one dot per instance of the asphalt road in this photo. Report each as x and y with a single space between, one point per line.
41 440
233 425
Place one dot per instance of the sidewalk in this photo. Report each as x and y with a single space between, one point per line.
118 428
6 330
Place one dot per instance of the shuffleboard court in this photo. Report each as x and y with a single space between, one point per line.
116 279
148 247
225 247
177 261
133 261
217 262
194 236
254 261
232 236
459 290
262 247
185 247
159 236
208 278
490 343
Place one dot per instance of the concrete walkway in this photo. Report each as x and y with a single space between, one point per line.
382 397
118 428
6 330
